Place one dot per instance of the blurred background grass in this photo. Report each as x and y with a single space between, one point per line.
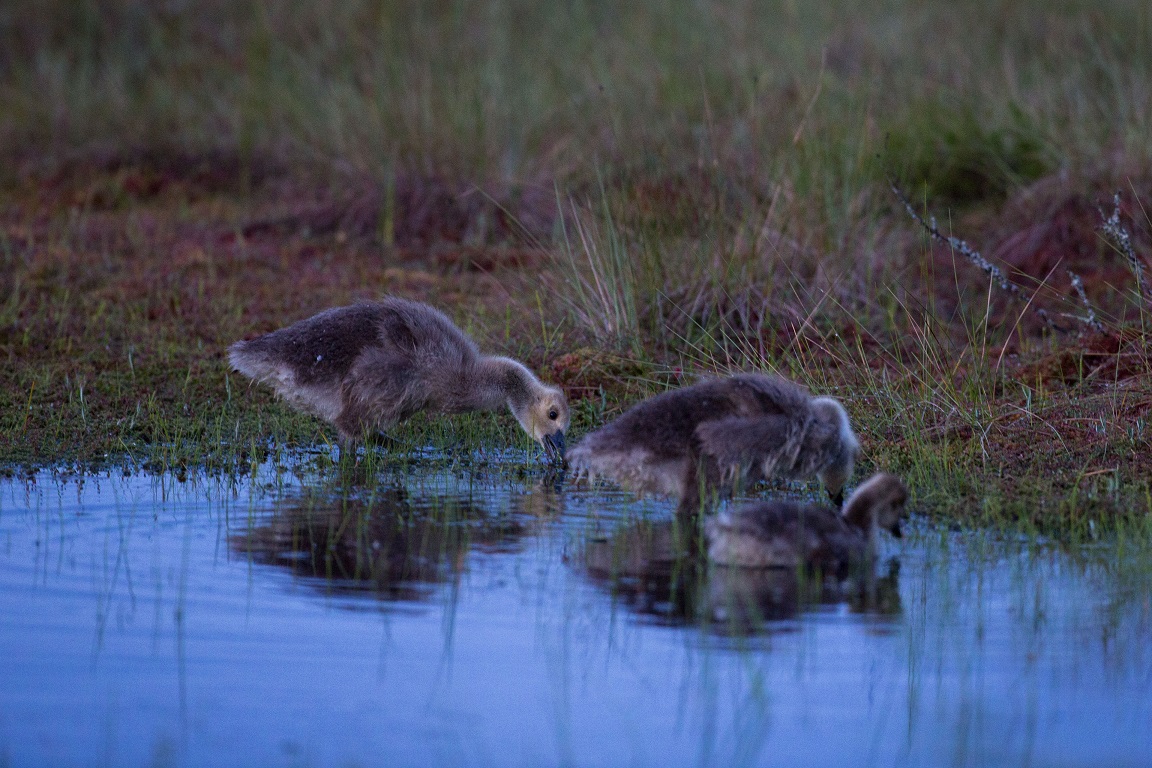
966 97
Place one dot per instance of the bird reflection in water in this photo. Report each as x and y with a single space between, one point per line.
384 543
657 570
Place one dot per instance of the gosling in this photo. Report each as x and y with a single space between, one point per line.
695 441
791 534
367 367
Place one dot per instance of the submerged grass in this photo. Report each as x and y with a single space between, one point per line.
624 197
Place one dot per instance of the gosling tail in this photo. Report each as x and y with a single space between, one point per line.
253 363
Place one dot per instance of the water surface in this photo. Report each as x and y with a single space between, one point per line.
498 616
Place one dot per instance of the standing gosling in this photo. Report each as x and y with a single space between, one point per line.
791 534
371 365
694 441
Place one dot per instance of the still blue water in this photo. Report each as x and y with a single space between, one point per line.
459 617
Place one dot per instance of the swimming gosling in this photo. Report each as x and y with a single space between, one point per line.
371 365
693 441
791 534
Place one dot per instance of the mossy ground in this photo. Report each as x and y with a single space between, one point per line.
622 223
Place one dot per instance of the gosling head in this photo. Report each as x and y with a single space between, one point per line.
544 416
842 451
878 504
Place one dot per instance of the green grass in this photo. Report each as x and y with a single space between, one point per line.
180 177
521 90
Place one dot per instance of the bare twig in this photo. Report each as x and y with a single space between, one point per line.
1118 234
1089 319
974 256
965 250
994 271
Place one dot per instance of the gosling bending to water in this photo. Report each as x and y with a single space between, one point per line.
371 365
693 441
792 534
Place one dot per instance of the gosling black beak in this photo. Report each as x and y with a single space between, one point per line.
896 531
837 498
554 446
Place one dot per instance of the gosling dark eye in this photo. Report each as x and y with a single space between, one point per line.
552 414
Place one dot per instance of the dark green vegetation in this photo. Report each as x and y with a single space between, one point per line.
621 194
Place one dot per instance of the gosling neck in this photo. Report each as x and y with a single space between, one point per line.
860 509
504 381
